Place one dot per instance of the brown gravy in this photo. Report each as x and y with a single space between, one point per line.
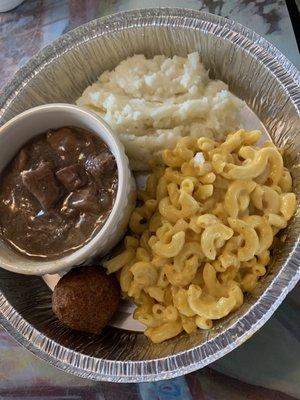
57 192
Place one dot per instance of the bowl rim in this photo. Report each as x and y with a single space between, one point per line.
201 355
39 266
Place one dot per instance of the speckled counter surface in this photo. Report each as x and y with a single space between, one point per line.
36 23
267 367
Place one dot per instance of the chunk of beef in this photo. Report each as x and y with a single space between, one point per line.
42 184
21 160
72 177
84 200
102 164
105 199
68 145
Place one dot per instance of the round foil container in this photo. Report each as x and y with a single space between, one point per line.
256 72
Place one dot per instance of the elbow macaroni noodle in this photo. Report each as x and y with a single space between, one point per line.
202 236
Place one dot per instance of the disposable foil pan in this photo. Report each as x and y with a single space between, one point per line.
256 72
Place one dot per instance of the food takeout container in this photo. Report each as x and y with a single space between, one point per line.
256 72
24 127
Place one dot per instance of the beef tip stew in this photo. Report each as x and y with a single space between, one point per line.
21 160
41 183
100 165
84 200
72 177
51 201
68 145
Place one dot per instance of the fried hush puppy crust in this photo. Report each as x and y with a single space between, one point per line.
86 298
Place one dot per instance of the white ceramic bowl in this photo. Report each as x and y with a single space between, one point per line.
19 130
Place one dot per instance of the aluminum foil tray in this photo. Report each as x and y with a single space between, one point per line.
256 72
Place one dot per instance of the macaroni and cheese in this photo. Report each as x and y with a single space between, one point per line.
201 235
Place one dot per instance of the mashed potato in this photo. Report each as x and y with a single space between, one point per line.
150 104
